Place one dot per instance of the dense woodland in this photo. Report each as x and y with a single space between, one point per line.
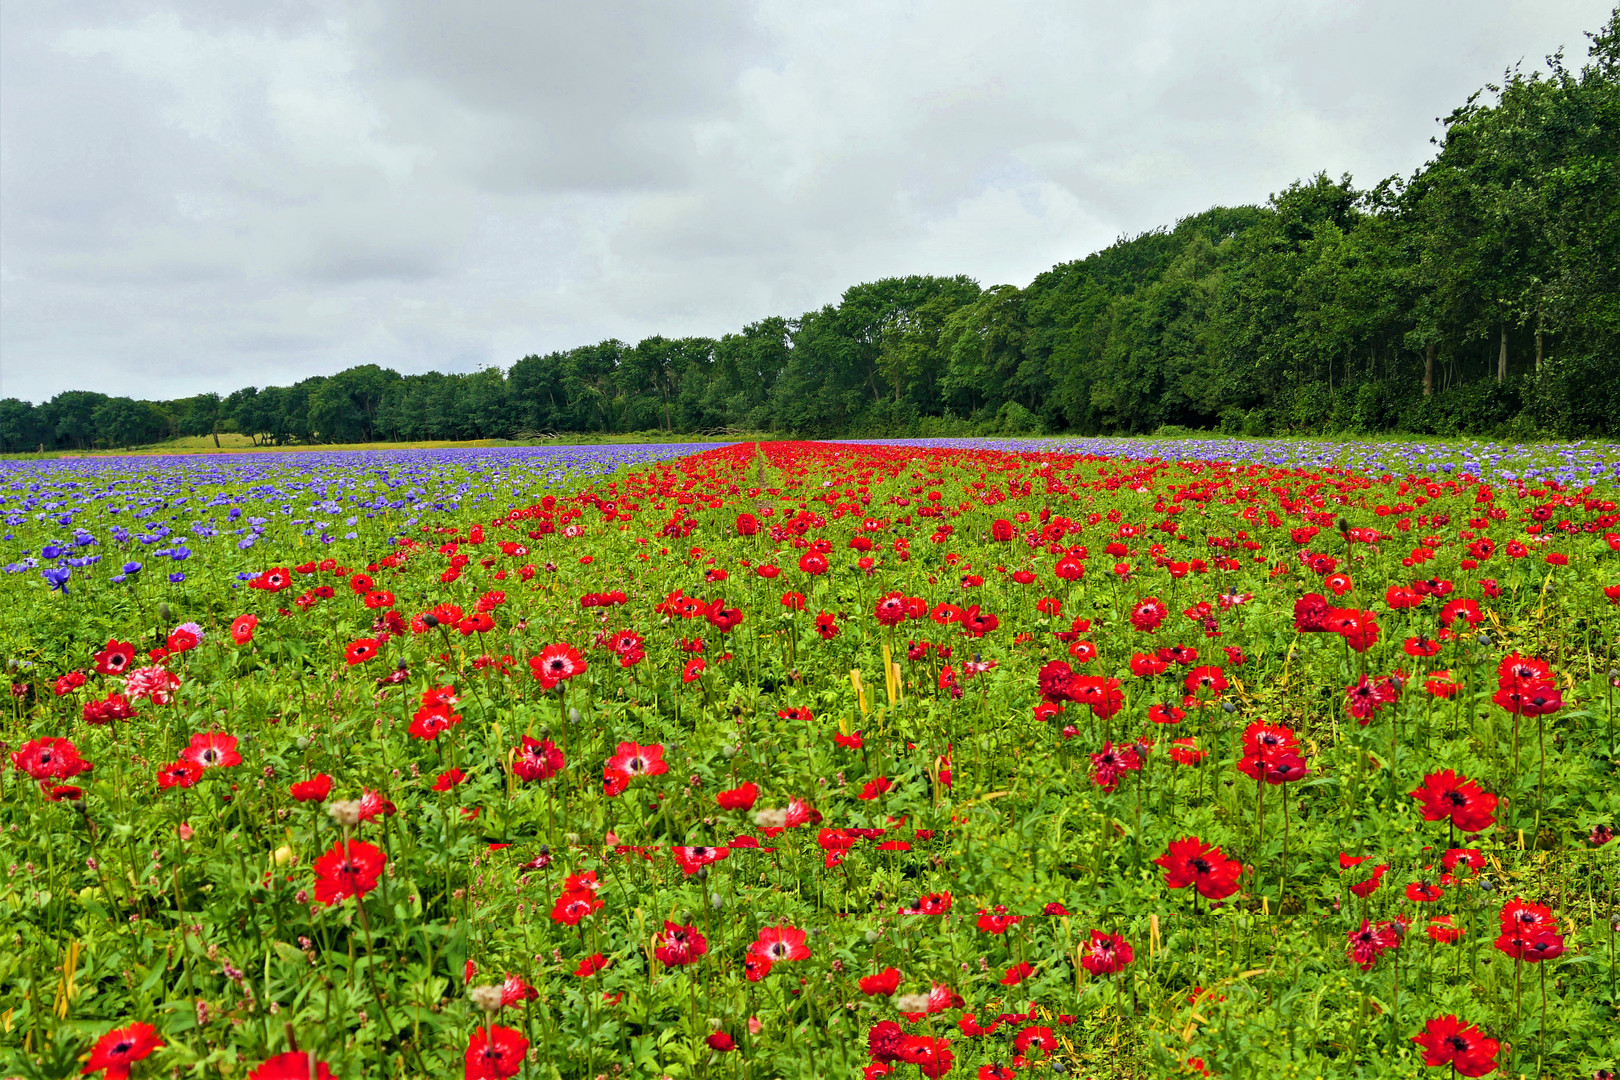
1481 295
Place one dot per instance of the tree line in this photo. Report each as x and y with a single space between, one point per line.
1481 295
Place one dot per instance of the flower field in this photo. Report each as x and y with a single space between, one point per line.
811 760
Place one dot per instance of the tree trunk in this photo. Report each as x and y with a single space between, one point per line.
1539 352
1501 358
1428 370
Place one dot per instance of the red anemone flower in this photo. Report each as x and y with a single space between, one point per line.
778 943
362 650
120 1048
349 868
692 858
49 758
591 965
374 804
537 759
573 906
1447 795
634 760
315 789
1017 973
931 1055
1531 945
1186 752
293 1065
514 991
1209 677
1144 665
1529 699
1190 861
741 797
273 580
679 945
1106 953
891 609
116 658
1448 1041
1107 765
614 781
242 628
494 1053
1148 614
1516 914
181 774
557 663
1166 714
211 750
883 984
1371 940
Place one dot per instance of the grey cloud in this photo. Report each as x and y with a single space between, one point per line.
571 96
202 195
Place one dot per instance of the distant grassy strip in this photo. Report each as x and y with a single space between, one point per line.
241 444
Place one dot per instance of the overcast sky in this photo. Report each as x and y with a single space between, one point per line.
201 196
